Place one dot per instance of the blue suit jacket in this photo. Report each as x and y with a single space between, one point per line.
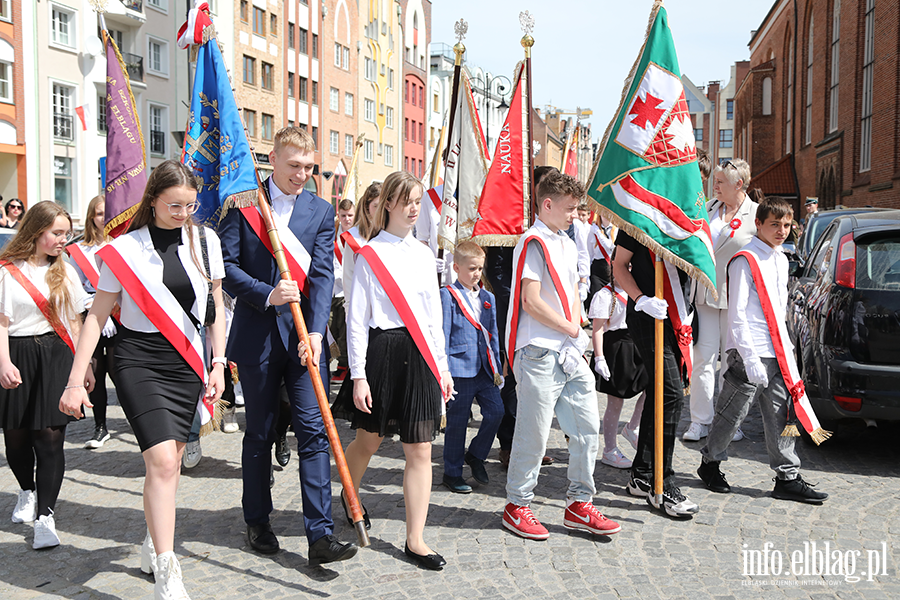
251 274
466 349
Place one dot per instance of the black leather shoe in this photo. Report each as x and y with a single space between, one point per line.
271 477
282 451
457 485
713 478
347 513
330 549
262 539
434 562
479 473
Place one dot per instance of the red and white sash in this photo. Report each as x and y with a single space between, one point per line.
337 251
464 308
512 321
350 241
603 250
679 314
158 304
297 257
394 292
43 304
784 355
620 296
85 263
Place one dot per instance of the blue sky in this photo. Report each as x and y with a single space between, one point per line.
585 48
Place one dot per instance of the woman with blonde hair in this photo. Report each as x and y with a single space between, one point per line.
40 303
167 294
357 236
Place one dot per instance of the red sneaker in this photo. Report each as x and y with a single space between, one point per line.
584 515
521 521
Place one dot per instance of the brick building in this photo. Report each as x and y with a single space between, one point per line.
820 103
13 174
416 22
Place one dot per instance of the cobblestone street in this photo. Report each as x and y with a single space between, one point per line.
100 522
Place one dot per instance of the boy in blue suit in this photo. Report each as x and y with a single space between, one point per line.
263 342
470 328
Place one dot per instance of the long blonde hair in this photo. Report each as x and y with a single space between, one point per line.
362 220
93 235
37 220
397 187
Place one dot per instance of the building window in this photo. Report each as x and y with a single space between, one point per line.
6 88
729 110
249 70
767 96
63 129
345 58
389 117
250 122
789 112
101 113
334 99
158 56
436 103
337 54
406 92
160 4
5 10
406 130
62 26
698 135
390 79
809 83
865 146
314 134
268 76
315 93
268 126
726 138
348 104
369 151
290 85
348 144
301 41
835 66
245 11
273 24
370 111
315 46
62 181
389 156
370 69
259 21
291 36
334 142
157 130
302 94
421 133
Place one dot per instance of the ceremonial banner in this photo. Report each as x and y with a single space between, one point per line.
570 158
126 176
646 178
215 147
466 168
503 212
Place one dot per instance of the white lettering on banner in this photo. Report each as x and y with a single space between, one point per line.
504 151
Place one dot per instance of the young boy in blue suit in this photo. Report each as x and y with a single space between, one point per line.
470 328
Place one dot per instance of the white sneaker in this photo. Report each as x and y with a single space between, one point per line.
675 504
238 394
738 435
631 435
169 585
148 556
695 432
45 533
192 455
26 507
615 458
229 421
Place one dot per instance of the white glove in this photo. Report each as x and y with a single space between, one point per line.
109 329
440 264
756 372
583 291
569 358
653 306
601 367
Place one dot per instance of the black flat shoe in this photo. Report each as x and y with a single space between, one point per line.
282 451
329 549
479 473
433 562
347 513
262 538
457 485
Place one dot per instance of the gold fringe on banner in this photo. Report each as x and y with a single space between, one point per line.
214 423
820 435
121 218
790 430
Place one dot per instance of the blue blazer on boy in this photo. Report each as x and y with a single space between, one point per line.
466 348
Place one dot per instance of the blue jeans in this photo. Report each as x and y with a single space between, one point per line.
544 389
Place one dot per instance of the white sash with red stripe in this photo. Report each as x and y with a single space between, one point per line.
784 353
297 257
603 249
60 326
350 240
464 308
85 262
680 314
338 252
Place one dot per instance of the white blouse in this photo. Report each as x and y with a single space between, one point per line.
601 304
411 264
25 318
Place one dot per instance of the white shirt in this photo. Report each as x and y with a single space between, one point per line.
338 266
564 256
598 237
348 264
749 332
25 318
582 244
473 297
282 205
412 266
91 253
601 304
716 227
131 315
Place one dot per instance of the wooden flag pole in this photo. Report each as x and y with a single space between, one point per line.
527 23
658 394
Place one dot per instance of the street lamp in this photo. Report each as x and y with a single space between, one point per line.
503 85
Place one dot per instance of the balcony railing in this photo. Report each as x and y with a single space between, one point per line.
135 5
157 142
134 64
63 127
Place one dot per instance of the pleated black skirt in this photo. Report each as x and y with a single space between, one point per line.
406 398
627 375
44 362
157 389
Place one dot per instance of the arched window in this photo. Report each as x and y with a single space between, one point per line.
789 97
835 66
767 96
809 83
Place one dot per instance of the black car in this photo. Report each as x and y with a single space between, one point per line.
818 221
844 319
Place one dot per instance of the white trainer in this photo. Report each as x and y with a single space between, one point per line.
26 507
169 585
738 435
148 556
615 458
238 394
45 532
695 432
229 421
631 435
192 455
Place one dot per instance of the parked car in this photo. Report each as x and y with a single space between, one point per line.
6 236
844 319
818 221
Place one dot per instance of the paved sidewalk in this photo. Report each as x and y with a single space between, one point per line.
100 521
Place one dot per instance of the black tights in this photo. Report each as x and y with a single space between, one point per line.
104 364
44 446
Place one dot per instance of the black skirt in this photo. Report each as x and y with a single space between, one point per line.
157 389
627 375
406 398
44 362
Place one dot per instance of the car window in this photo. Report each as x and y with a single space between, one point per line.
821 257
878 263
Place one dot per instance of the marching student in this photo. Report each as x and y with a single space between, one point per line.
620 369
473 354
602 243
83 255
398 364
760 360
357 236
167 294
338 321
544 329
40 302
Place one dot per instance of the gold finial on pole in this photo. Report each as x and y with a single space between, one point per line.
526 20
460 29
